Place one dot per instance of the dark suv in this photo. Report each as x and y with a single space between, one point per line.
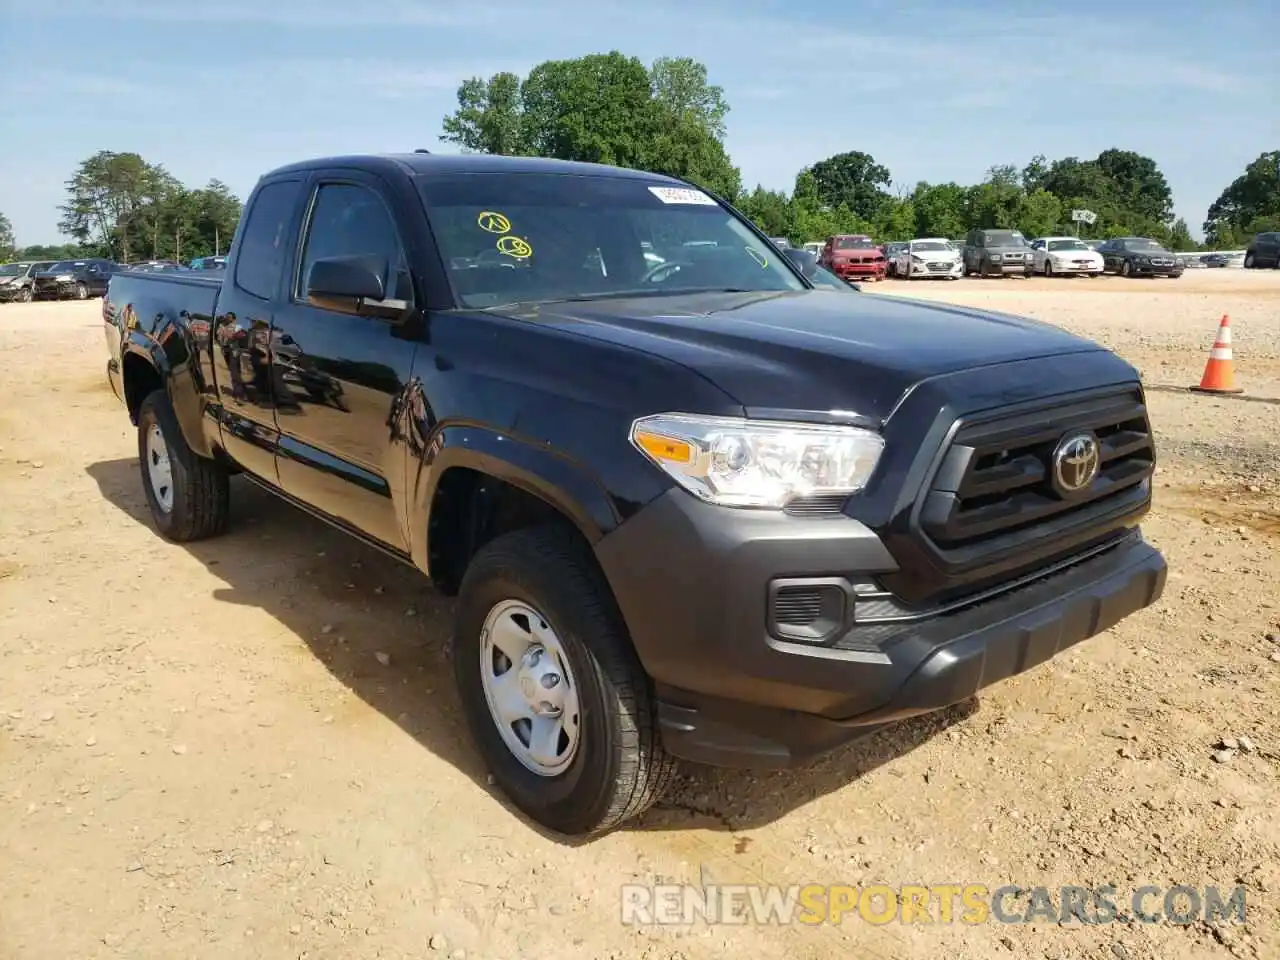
16 279
1264 251
997 253
75 279
1139 257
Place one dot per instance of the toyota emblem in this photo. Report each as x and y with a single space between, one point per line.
1076 461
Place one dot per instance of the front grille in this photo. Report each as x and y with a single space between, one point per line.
998 477
938 266
991 510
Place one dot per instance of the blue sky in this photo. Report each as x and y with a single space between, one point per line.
934 90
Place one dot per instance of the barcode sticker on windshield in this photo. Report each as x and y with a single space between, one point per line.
681 195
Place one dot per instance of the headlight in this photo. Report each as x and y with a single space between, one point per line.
917 259
757 463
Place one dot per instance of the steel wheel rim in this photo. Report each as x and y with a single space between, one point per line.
159 469
529 688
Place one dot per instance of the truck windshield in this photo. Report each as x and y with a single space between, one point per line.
531 237
854 243
66 266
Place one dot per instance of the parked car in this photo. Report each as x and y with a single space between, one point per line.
695 510
817 274
1139 257
209 263
782 243
78 279
1000 253
853 257
814 247
1263 251
1215 260
930 258
17 280
157 266
891 251
1065 256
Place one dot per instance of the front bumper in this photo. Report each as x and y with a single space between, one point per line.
8 293
693 584
1067 266
1156 270
55 291
934 269
859 271
1010 266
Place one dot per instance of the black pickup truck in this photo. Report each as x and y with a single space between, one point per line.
691 504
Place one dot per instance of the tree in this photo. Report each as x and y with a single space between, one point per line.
488 118
1180 237
1250 205
853 180
939 210
603 108
105 195
7 243
1137 185
680 86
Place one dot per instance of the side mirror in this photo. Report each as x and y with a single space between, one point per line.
356 285
803 259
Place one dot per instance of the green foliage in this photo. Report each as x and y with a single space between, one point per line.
57 251
1250 205
603 108
7 243
120 206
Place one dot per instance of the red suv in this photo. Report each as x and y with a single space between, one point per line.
853 256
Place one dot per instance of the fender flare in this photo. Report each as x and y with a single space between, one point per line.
177 378
536 469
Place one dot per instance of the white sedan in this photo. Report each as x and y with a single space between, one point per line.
1065 256
930 257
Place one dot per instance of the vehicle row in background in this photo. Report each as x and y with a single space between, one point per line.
26 280
1264 251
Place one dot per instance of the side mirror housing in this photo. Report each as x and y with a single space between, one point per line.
803 259
355 285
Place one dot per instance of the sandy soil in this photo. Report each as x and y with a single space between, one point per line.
251 747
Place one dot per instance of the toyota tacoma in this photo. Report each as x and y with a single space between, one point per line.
692 509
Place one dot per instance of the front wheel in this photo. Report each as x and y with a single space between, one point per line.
24 295
189 495
82 292
1249 261
1125 269
551 687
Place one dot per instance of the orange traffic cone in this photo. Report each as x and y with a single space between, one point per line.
1219 372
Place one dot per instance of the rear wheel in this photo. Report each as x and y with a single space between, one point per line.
552 690
1249 261
189 495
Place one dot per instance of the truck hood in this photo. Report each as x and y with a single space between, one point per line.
802 351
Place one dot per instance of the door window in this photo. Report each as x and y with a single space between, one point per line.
350 220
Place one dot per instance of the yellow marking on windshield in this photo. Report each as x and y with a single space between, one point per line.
513 246
492 222
757 257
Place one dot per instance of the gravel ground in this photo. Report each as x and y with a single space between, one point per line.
251 747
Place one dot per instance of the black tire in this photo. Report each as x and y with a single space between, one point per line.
24 295
620 768
1125 269
201 489
82 292
1249 261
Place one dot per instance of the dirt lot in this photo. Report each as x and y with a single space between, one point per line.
249 748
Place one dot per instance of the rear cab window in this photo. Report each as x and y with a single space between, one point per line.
264 243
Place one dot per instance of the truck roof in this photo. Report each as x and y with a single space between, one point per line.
447 163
